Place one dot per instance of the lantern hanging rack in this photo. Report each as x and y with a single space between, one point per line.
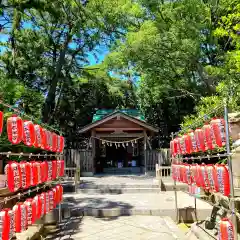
228 154
28 192
30 117
203 157
8 154
117 142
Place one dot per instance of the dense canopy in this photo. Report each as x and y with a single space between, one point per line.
168 59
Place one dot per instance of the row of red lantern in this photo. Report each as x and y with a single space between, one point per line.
32 135
26 174
24 214
210 177
202 139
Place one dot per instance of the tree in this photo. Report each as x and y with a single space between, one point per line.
50 44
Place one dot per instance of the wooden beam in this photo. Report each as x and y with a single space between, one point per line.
131 135
118 129
145 151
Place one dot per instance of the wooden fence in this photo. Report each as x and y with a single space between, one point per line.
160 157
79 158
83 159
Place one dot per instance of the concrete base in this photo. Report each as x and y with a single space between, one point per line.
87 174
33 232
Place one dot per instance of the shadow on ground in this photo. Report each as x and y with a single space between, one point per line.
66 229
72 225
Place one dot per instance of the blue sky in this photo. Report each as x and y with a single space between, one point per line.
101 51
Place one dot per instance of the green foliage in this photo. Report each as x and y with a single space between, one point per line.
175 60
47 53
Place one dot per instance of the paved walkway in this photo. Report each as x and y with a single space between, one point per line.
155 204
121 228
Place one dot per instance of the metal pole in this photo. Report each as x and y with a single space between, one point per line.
175 195
232 200
59 210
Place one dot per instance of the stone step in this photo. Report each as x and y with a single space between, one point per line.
116 186
147 204
117 190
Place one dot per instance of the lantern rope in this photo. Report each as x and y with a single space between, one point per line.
36 189
30 117
29 154
115 142
203 157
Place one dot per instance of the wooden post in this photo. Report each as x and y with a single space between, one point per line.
145 151
93 134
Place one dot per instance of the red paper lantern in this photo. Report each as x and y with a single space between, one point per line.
12 228
210 174
44 138
54 142
4 224
61 143
31 204
44 171
50 171
183 145
49 140
54 169
187 140
47 203
1 122
36 199
218 128
13 174
195 174
199 136
187 178
208 136
21 217
55 196
15 129
25 168
176 172
28 133
193 142
175 146
51 200
221 179
36 173
202 181
59 193
38 136
7 223
61 168
41 205
226 231
179 149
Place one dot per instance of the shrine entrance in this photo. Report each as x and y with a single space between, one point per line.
119 157
119 142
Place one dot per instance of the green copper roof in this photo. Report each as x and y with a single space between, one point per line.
100 114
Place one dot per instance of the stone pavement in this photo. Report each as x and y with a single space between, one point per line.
121 228
155 204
